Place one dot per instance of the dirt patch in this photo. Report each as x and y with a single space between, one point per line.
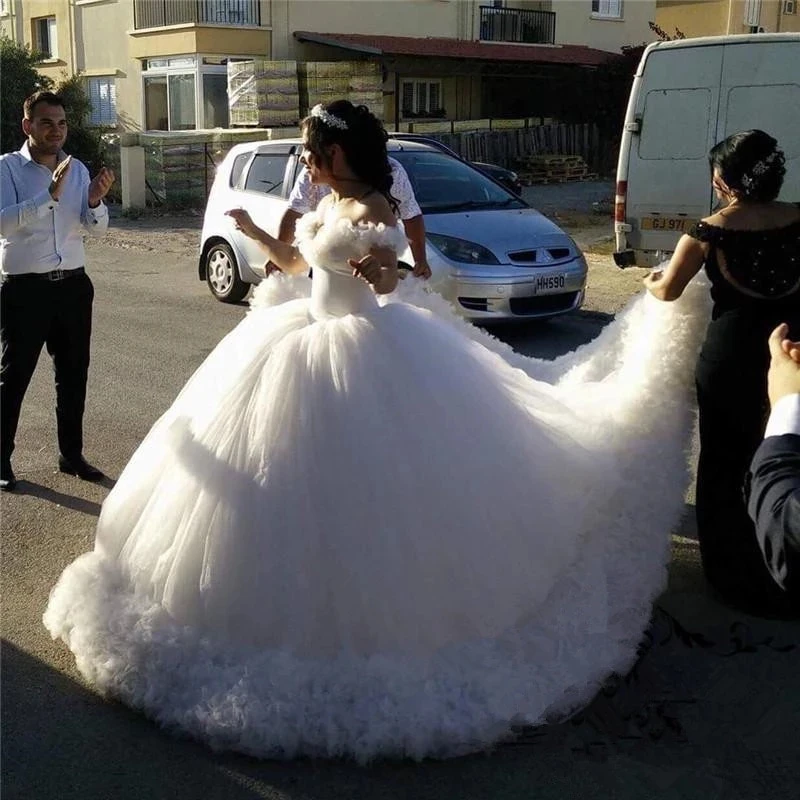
173 233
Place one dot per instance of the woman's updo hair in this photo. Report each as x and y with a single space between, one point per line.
361 136
751 164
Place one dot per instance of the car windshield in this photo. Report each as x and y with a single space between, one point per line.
442 183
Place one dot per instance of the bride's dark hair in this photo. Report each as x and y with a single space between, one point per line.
363 141
750 163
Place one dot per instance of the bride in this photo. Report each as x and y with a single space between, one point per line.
360 531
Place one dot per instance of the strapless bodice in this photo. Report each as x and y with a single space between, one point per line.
327 242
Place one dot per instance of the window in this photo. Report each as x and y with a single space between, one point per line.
3 8
237 169
608 9
752 13
103 97
422 98
790 7
46 39
266 174
185 92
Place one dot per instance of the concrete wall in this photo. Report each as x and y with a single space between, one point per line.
576 25
717 17
383 17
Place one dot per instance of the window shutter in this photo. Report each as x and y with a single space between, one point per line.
752 12
435 102
422 97
103 96
408 97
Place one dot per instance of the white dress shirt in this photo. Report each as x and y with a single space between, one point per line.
785 416
37 233
306 196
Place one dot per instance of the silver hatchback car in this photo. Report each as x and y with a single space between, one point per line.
491 254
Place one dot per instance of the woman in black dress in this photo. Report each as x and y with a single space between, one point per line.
751 253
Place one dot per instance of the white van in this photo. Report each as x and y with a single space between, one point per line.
688 95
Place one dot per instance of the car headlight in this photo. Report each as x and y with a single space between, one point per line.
461 250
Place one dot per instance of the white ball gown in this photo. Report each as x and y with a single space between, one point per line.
368 529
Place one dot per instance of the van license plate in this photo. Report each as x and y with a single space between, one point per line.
677 224
548 284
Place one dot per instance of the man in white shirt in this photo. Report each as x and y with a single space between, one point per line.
774 480
47 202
306 196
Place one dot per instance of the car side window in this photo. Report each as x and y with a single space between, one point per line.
266 174
237 168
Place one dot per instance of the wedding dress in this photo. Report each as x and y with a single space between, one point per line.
369 529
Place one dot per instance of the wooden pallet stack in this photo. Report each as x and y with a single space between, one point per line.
553 169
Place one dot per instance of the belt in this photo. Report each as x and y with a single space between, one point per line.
55 275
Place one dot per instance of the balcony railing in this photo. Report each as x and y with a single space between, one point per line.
157 13
517 25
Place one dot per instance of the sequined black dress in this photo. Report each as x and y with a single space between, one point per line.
732 397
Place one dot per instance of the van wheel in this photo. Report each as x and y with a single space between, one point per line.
222 274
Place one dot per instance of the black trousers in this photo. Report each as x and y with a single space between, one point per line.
36 312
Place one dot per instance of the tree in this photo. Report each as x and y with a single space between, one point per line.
19 78
83 142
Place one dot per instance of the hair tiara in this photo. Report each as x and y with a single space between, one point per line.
760 168
327 118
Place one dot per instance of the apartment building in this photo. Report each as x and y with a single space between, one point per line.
716 17
162 64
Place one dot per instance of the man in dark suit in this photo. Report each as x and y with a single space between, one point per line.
774 479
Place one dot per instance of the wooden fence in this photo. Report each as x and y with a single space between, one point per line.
507 147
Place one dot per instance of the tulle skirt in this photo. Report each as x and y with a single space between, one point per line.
386 534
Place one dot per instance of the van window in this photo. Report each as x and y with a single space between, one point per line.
266 174
675 124
778 106
238 165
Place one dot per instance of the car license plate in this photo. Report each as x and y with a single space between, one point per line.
676 224
548 284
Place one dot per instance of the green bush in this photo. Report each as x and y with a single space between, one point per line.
19 78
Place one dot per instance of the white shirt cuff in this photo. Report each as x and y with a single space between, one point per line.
99 212
785 416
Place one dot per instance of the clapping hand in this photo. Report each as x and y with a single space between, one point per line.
59 178
784 370
100 185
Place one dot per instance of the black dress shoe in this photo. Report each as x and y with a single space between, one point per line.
81 467
8 480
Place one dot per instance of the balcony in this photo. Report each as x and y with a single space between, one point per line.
517 25
158 13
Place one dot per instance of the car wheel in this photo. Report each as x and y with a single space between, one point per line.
222 274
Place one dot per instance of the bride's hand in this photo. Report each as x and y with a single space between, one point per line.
368 268
243 222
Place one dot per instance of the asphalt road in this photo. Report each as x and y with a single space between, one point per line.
154 324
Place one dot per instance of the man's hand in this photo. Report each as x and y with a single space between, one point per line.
784 370
422 270
100 185
59 178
